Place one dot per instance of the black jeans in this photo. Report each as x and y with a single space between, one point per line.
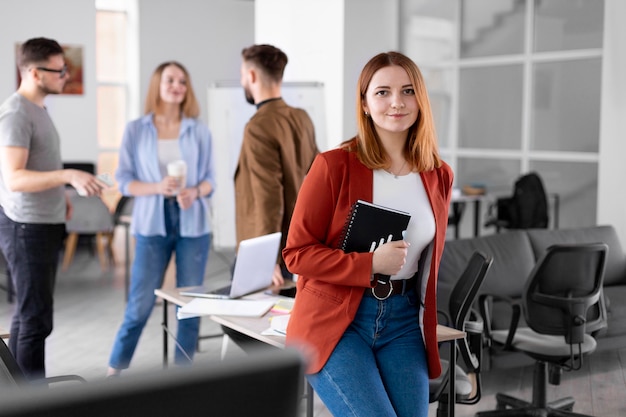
32 255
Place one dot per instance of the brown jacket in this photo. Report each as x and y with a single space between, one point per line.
277 151
330 282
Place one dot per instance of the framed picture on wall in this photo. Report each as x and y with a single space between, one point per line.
74 62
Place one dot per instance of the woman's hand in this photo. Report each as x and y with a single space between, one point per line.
390 257
186 197
168 186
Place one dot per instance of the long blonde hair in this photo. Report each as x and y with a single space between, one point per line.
421 149
189 107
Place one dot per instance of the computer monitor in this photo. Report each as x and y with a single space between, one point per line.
269 383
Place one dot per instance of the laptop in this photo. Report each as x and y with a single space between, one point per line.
254 267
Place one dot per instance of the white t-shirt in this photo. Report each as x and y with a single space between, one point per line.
407 193
169 151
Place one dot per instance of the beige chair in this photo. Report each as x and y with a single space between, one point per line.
90 216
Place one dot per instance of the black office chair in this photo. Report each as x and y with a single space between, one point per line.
526 208
560 304
462 298
124 207
81 166
11 375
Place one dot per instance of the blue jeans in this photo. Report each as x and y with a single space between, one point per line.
152 255
378 368
32 255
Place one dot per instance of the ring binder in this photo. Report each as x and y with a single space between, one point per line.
370 225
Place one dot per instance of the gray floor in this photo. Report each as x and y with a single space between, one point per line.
89 305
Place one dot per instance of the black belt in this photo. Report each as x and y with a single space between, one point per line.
385 287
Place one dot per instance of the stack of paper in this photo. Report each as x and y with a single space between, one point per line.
207 306
278 326
283 306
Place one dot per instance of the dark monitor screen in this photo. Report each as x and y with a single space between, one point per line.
265 384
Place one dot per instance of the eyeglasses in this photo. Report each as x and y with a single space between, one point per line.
61 72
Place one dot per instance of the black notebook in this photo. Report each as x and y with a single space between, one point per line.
369 225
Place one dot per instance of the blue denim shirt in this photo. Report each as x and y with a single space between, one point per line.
139 161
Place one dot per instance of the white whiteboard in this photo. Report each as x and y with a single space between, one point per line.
228 113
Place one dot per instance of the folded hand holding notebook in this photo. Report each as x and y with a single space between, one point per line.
370 225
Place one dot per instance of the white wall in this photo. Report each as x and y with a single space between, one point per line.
206 37
326 40
371 27
201 35
69 22
311 34
329 41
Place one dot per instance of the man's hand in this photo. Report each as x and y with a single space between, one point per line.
85 183
277 277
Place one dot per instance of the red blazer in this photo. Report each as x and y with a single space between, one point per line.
330 282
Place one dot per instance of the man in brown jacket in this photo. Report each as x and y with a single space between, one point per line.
277 151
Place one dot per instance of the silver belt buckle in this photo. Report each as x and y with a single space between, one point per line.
379 282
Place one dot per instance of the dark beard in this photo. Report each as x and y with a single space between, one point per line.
249 97
47 90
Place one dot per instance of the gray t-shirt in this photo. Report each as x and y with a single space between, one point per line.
24 124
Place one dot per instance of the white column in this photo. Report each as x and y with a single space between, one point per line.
612 167
329 41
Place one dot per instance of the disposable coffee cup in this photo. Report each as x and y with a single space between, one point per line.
178 170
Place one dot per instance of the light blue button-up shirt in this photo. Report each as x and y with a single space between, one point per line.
139 161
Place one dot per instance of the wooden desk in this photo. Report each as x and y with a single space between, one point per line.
254 327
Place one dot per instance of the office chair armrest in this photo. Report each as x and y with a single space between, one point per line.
471 349
484 304
474 327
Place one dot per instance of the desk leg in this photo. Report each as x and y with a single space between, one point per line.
456 212
452 380
477 217
165 324
127 261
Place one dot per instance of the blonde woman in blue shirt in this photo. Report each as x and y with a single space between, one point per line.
165 220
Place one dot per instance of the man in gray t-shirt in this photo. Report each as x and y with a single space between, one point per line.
33 205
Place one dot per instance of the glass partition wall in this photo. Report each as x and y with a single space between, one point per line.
515 87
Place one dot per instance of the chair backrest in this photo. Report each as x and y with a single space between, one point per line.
90 215
528 207
463 297
564 284
81 166
466 288
10 373
124 207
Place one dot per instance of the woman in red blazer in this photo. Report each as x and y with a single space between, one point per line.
371 342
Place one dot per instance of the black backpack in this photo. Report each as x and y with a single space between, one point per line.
527 208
